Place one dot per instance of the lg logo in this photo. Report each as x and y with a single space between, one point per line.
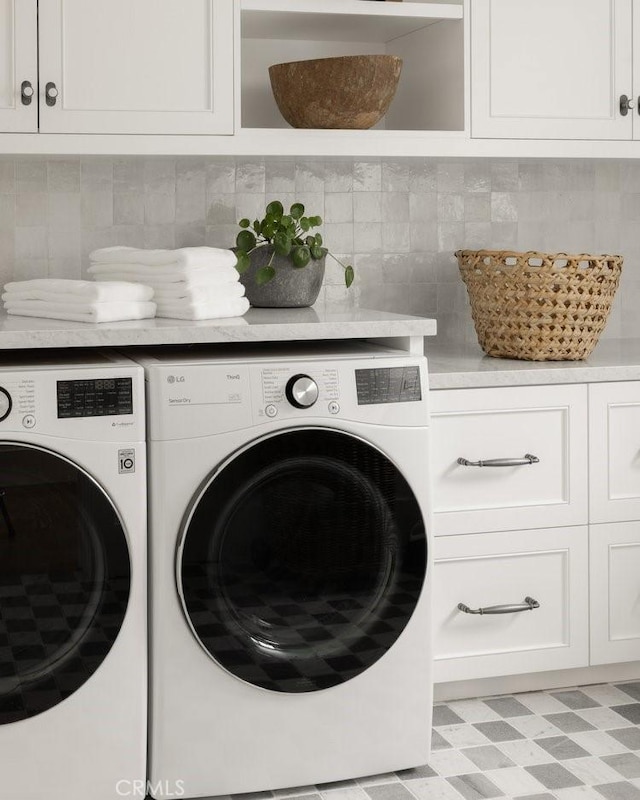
175 379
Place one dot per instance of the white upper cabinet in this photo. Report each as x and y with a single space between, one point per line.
118 66
18 66
553 69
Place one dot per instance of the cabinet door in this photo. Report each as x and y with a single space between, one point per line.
137 66
614 444
502 569
470 427
614 557
553 69
18 63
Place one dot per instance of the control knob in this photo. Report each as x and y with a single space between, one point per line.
6 404
301 391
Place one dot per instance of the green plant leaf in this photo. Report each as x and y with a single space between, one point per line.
315 221
244 223
275 209
300 256
297 210
269 229
317 252
310 241
245 240
282 243
243 261
304 224
286 221
348 276
318 239
264 275
257 226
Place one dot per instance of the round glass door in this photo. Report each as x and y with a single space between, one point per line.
302 560
64 579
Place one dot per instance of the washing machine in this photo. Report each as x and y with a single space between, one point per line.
290 566
72 577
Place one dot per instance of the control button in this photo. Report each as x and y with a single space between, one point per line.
334 407
301 391
271 411
29 421
5 403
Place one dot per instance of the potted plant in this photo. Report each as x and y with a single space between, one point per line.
280 261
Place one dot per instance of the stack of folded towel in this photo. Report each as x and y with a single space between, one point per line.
189 283
80 301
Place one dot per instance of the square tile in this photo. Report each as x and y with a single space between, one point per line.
630 712
627 764
602 717
629 737
498 731
632 689
575 699
553 776
487 757
475 786
561 747
569 722
516 781
388 791
622 790
507 707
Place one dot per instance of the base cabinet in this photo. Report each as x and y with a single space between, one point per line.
584 576
614 558
501 572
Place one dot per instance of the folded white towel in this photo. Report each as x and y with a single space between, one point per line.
80 291
172 274
91 312
235 307
183 256
77 300
179 292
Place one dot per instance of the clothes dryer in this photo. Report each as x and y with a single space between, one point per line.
290 566
72 577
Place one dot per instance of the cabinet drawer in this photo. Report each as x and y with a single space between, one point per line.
614 559
548 422
614 441
495 569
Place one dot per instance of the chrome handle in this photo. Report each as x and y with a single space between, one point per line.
26 93
501 462
626 104
50 94
513 608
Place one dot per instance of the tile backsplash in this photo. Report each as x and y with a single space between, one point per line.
398 221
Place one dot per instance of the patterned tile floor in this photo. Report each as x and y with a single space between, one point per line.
567 744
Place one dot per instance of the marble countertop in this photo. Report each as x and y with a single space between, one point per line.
257 325
464 366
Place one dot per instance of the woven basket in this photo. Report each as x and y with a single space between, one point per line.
539 306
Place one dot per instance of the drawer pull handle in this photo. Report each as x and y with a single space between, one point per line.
501 462
512 608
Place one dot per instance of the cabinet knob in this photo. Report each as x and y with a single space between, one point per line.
26 93
626 105
50 93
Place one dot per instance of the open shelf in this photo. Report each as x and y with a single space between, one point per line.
427 36
340 20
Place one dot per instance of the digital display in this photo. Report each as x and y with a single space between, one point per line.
388 385
95 398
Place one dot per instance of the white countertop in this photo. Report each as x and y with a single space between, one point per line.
459 366
257 325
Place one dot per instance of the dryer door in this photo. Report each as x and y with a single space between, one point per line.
302 560
64 579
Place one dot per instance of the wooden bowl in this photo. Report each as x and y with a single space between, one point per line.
342 92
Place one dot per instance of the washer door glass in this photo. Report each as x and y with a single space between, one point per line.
302 560
64 579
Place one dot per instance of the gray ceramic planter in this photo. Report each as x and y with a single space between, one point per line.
292 287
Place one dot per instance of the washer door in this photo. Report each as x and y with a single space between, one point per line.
64 579
302 560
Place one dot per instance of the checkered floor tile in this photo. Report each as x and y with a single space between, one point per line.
569 744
